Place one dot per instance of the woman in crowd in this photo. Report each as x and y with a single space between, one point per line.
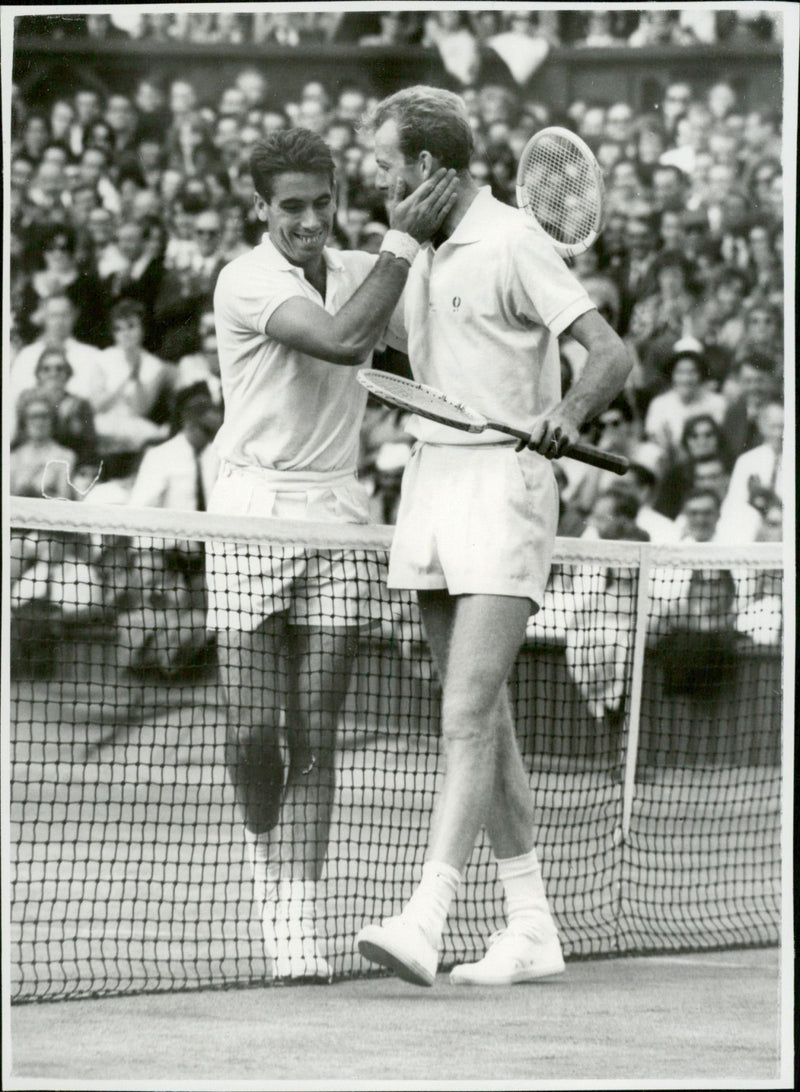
687 397
38 465
74 416
701 438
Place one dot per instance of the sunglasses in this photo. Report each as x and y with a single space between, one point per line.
615 422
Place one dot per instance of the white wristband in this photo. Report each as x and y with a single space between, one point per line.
400 245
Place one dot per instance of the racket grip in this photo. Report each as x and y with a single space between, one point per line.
605 460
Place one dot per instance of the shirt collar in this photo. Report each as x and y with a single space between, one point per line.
280 261
475 222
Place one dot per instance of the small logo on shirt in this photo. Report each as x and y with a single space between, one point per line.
456 302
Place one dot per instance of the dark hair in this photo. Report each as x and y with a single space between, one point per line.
56 231
53 351
621 405
125 309
643 475
702 491
695 358
691 422
289 150
626 506
670 259
428 119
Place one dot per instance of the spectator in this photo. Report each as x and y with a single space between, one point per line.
633 271
38 466
699 515
74 421
86 361
711 472
617 434
181 472
203 366
187 290
669 187
233 241
756 483
138 388
59 275
659 322
123 121
686 397
720 321
754 378
140 272
701 439
613 516
643 479
763 334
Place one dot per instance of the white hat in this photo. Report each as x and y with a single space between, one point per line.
650 457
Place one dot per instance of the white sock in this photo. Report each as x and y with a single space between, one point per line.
526 900
297 898
264 867
429 906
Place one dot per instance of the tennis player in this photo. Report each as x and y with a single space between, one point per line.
483 308
294 322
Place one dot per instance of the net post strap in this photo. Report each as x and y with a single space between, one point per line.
635 713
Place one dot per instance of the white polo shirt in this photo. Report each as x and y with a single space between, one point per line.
285 410
481 316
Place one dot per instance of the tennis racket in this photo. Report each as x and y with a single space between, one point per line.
405 394
560 187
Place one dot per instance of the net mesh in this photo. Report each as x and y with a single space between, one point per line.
561 187
647 701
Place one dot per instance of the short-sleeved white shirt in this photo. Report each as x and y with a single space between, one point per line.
481 316
285 410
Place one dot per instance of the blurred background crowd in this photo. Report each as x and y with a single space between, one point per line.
124 208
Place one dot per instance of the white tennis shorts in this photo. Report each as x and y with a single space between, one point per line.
315 588
475 519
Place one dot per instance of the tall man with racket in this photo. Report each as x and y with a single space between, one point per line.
483 308
294 322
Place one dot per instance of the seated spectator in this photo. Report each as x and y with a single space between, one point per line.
702 438
617 434
755 381
711 472
720 321
181 472
141 272
699 516
57 275
233 241
613 516
643 479
658 322
756 482
203 366
763 335
185 292
58 320
38 466
686 397
137 390
74 424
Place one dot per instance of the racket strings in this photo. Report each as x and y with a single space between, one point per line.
562 190
417 398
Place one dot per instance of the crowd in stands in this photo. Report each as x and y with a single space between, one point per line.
591 28
124 208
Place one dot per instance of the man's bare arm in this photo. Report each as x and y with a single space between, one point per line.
603 377
349 335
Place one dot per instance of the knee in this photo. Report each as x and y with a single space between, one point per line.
467 720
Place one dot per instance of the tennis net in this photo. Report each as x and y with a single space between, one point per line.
647 700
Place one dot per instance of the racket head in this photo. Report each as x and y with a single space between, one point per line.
560 187
406 394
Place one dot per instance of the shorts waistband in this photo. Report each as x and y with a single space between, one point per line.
288 481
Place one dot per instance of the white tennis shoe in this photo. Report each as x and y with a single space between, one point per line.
512 957
401 947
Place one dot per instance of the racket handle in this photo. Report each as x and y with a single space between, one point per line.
605 460
583 453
